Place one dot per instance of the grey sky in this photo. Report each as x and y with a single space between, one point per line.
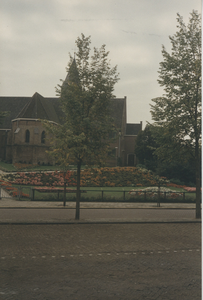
36 38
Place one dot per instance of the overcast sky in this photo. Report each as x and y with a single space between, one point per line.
36 37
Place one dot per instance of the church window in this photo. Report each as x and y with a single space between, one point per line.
43 137
27 136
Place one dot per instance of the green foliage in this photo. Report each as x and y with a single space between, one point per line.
59 149
151 144
180 172
145 148
178 111
6 167
85 98
177 114
171 145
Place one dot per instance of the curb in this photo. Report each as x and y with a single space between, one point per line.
83 222
66 207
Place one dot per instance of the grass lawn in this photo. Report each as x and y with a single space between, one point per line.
11 168
106 194
6 167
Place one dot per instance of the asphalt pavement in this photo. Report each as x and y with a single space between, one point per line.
100 261
115 251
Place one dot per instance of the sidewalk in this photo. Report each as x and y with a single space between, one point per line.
13 211
7 202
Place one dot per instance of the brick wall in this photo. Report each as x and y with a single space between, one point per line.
28 143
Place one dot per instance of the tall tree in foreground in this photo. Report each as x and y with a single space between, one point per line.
85 100
58 139
178 111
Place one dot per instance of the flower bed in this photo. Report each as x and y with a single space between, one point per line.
96 177
152 192
22 166
190 189
13 191
38 178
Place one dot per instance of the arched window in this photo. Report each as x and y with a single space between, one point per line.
43 137
27 136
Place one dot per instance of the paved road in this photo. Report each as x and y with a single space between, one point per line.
20 215
100 261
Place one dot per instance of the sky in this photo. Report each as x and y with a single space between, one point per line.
36 37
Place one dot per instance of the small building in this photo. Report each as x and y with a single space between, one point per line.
23 139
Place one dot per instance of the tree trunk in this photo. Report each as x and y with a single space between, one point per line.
77 213
64 191
198 186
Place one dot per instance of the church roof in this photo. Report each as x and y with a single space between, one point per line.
133 129
39 108
35 107
12 105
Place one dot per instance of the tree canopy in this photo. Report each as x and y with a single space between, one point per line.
85 97
177 165
145 148
178 111
85 101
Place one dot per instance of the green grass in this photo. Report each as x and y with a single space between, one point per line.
11 168
91 194
6 167
114 194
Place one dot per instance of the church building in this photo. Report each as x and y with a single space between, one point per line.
23 139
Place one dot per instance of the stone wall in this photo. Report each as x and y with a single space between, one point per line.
29 142
30 154
35 128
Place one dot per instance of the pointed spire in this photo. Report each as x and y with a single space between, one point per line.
73 74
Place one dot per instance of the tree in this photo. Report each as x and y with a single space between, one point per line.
145 148
59 150
85 100
151 143
178 111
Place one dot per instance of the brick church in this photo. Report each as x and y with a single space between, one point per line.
23 138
